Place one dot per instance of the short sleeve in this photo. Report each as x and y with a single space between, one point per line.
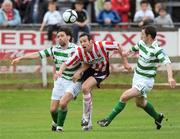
46 53
45 18
162 56
135 48
111 46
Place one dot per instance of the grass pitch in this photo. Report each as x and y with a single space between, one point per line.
24 114
121 78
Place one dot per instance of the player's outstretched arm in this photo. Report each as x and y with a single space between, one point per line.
126 64
171 80
124 58
78 73
26 56
42 26
126 53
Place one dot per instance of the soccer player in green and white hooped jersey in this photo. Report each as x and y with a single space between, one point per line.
64 88
149 56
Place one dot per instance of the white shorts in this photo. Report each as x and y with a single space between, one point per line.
62 86
142 84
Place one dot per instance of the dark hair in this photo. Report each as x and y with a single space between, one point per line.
51 3
150 30
107 1
66 30
144 2
162 9
79 2
86 34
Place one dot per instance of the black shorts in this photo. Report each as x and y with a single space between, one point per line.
98 75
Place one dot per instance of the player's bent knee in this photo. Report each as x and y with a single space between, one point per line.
53 109
85 89
63 104
124 98
140 105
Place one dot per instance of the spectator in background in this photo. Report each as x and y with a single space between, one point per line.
8 15
164 19
123 8
82 21
21 6
132 10
108 16
89 6
35 11
52 19
1 1
144 16
157 7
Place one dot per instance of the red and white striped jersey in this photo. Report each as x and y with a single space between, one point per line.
98 58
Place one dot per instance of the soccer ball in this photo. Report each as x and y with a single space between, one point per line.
70 16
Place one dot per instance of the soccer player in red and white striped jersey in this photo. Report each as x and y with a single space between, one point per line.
95 54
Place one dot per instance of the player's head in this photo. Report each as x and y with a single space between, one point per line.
148 34
144 5
79 5
107 5
7 5
52 6
162 12
64 36
86 41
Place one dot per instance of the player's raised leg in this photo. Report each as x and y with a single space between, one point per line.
128 94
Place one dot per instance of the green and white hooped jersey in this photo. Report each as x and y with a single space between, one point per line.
60 56
149 57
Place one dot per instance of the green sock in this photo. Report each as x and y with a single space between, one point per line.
54 116
151 111
116 110
61 117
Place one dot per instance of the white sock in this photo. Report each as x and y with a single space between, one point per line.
87 106
59 127
53 123
90 119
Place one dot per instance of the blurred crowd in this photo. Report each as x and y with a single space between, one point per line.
108 13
